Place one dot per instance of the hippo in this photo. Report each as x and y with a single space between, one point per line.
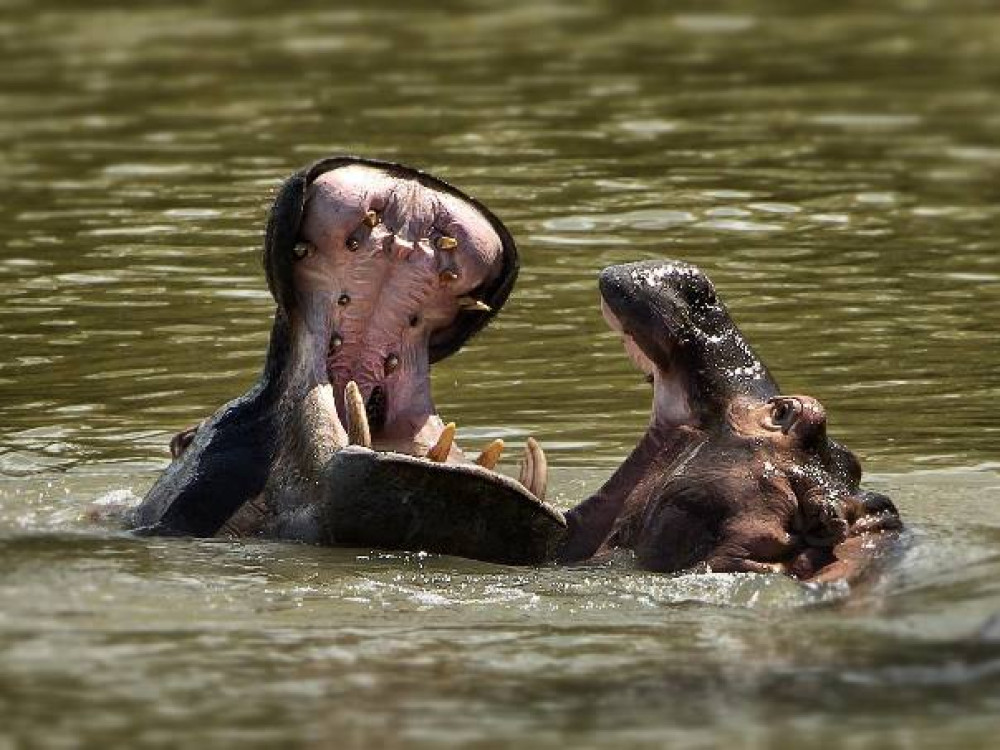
378 271
730 475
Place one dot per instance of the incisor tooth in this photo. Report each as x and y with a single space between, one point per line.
490 456
442 448
534 469
471 303
358 432
446 243
371 218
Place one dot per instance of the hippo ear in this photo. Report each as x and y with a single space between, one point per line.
285 221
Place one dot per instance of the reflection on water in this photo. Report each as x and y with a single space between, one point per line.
835 172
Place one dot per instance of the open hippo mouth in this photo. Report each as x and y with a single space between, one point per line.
378 271
381 271
729 474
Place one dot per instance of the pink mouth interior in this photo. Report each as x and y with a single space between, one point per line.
371 297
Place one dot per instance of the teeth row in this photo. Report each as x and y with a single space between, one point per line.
534 466
534 471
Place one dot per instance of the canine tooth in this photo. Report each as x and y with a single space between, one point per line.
534 469
446 243
358 432
442 448
490 456
371 218
301 250
471 303
448 275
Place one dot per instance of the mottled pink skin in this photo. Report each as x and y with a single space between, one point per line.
385 298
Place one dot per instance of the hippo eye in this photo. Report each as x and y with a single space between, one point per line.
784 413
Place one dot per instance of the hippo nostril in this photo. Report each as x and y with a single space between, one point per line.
344 299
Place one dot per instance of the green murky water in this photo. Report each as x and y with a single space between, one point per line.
837 173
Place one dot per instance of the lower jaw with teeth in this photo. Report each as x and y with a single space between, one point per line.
533 467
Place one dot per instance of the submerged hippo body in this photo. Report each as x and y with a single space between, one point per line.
378 271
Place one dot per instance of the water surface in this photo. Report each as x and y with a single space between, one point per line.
836 172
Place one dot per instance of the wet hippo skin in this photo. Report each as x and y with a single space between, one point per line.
730 475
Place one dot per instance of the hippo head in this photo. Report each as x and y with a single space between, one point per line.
378 271
730 474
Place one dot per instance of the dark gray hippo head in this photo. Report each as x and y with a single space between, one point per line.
378 271
730 474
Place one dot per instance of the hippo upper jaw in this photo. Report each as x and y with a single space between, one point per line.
679 332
